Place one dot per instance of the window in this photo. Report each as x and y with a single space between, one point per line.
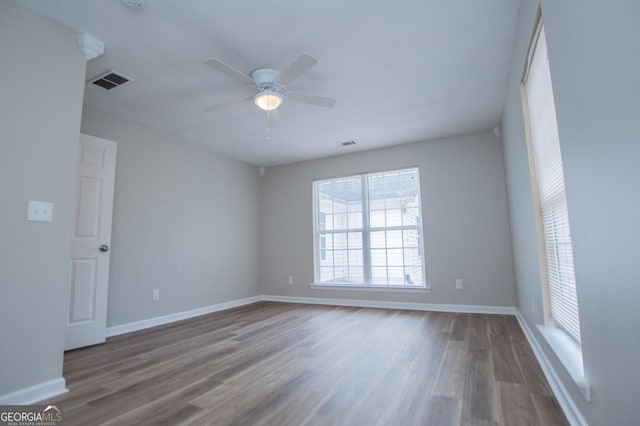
548 180
368 230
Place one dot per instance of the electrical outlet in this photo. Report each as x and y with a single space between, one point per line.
459 283
290 279
156 294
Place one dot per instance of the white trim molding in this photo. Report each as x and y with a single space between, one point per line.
382 288
568 405
166 319
570 355
33 394
469 309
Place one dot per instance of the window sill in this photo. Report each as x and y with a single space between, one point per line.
385 288
570 355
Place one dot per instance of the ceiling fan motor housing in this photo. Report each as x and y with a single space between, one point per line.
266 80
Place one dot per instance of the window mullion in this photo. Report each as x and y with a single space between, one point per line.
366 233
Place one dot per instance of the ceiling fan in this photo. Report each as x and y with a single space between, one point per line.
270 85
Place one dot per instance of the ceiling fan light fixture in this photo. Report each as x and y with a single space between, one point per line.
268 100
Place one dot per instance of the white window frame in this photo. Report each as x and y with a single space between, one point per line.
366 230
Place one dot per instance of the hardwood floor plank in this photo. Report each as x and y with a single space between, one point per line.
479 401
292 364
516 405
531 370
506 365
479 332
498 329
451 374
548 410
434 410
460 327
171 407
441 321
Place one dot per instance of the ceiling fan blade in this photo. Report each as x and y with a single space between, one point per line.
296 69
218 65
311 99
227 103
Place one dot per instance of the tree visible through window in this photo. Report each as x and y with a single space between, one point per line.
368 230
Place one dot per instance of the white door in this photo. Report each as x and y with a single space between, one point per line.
90 243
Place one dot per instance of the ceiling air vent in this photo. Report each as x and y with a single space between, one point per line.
110 80
347 143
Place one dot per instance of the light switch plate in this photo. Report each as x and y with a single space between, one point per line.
40 211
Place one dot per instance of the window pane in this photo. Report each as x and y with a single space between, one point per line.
376 218
396 275
342 189
410 237
410 215
326 274
328 221
394 217
329 241
340 258
395 257
340 221
355 258
413 275
377 204
341 274
378 239
378 257
340 240
378 275
356 275
328 258
394 239
355 240
322 220
412 257
355 220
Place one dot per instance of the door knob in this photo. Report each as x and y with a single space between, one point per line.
104 248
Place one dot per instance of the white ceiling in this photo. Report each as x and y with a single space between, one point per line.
402 72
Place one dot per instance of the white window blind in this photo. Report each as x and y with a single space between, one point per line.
558 262
368 230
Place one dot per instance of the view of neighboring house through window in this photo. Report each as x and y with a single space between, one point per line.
548 180
368 230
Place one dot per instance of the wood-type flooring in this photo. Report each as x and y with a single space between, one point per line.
291 364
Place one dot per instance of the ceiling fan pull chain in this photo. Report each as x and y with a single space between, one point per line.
268 125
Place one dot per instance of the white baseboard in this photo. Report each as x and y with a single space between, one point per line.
469 309
35 393
569 407
166 319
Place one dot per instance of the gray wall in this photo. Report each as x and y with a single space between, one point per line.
41 89
465 221
594 54
185 221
